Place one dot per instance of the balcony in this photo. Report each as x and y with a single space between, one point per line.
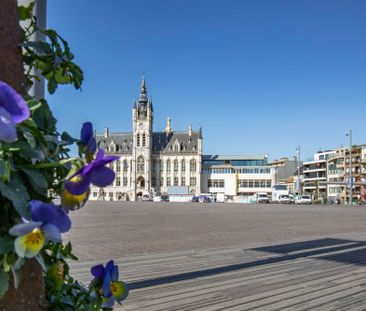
311 170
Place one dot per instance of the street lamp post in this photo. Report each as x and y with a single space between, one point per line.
298 170
350 179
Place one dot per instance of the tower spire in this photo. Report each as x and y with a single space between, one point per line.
143 93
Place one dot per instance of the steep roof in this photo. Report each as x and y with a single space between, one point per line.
122 141
175 142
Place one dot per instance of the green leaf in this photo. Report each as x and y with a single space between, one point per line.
40 47
66 137
30 139
6 244
17 193
52 85
44 118
4 282
34 104
25 12
56 274
27 152
4 170
36 177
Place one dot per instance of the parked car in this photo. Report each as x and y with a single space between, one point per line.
284 199
195 199
303 199
206 200
261 197
292 199
202 199
220 197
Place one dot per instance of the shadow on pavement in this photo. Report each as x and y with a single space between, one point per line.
321 248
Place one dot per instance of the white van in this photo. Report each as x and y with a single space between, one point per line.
261 197
220 197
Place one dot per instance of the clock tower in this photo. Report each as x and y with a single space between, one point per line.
142 124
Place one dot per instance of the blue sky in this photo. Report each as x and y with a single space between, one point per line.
258 76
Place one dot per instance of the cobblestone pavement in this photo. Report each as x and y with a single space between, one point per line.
210 257
103 230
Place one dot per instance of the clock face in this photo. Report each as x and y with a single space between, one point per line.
141 126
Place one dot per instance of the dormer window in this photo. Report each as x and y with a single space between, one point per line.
176 146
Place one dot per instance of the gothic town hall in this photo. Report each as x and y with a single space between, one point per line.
150 161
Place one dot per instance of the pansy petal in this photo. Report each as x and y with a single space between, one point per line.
119 290
51 233
11 101
72 202
8 132
114 273
22 229
62 220
41 211
109 266
92 145
19 246
87 137
78 187
97 271
50 214
30 244
102 176
86 132
108 302
105 160
106 285
100 155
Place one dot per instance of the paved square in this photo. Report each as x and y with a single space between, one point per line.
227 256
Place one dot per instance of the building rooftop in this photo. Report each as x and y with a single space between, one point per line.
219 157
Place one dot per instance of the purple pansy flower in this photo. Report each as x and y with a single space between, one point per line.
93 173
13 110
87 137
111 289
47 223
50 214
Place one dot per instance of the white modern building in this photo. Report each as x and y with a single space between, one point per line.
315 174
242 175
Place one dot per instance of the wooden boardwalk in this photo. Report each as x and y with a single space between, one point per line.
327 273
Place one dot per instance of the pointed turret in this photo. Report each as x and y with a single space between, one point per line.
168 128
134 103
143 93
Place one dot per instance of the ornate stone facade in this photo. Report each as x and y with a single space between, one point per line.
150 161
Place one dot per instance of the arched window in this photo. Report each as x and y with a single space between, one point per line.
183 165
193 165
175 166
168 166
125 166
138 140
140 164
161 166
143 140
